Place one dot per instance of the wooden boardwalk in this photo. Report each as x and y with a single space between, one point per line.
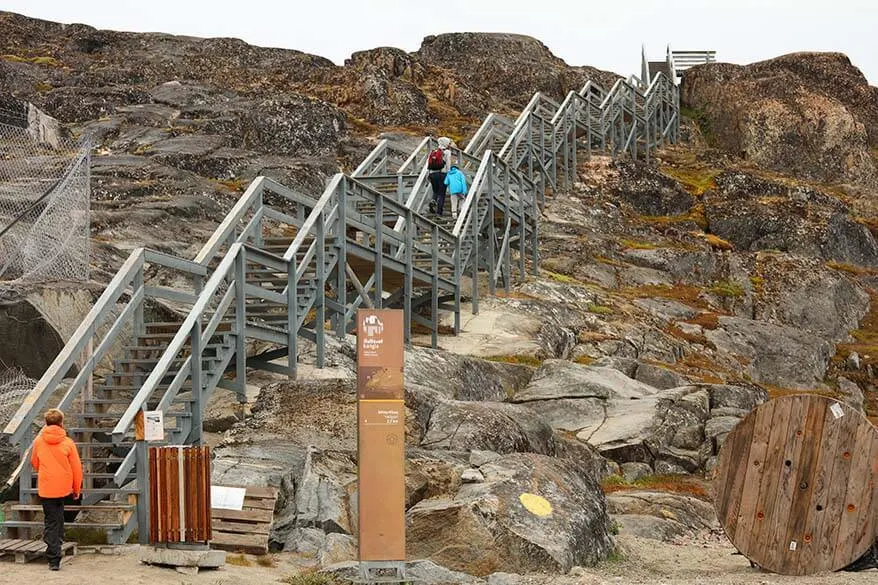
797 485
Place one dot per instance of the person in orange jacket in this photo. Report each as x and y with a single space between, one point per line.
59 470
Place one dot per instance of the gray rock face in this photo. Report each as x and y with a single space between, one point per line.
487 527
767 112
492 426
323 495
562 379
851 393
420 571
778 355
648 192
464 378
660 516
798 220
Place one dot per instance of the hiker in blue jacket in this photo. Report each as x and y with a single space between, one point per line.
456 183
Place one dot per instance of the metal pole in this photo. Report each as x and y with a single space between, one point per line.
292 319
141 465
197 387
474 221
341 238
379 253
492 237
240 327
320 284
434 305
457 275
409 267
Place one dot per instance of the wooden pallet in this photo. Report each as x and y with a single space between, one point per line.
24 551
245 530
797 485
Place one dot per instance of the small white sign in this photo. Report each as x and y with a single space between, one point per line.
837 410
793 545
227 498
153 425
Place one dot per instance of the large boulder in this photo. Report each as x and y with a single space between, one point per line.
464 378
810 114
774 354
532 513
661 516
758 214
491 426
510 67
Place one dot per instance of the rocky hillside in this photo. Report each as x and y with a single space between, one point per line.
674 298
183 124
810 114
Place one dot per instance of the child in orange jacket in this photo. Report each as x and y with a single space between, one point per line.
59 470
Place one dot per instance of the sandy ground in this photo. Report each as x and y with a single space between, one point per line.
643 562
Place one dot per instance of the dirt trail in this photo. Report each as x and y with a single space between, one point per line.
643 562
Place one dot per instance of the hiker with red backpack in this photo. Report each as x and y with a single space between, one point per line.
438 163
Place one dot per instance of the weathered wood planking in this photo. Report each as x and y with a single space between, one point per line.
24 551
797 485
246 530
179 490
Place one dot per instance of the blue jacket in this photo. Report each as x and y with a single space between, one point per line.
456 182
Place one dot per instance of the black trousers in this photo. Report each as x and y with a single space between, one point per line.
437 182
53 510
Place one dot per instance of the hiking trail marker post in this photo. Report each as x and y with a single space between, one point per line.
381 442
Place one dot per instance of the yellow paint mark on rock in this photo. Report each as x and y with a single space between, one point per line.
536 505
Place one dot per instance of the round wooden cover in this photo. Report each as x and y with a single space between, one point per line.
797 485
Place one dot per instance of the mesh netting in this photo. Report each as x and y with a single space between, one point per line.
14 386
44 201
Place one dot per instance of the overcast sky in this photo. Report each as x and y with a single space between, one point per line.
583 32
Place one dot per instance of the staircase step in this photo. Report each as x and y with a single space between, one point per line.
39 524
94 491
112 507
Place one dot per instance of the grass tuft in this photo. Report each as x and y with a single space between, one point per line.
852 269
635 245
726 288
599 309
718 243
678 484
47 61
310 579
238 560
522 360
695 180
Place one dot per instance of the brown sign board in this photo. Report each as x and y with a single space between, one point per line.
381 434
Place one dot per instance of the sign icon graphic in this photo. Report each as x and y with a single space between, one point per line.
373 326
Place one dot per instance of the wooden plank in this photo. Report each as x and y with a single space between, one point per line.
253 516
796 485
786 487
740 456
854 499
261 493
754 474
250 544
841 466
241 527
254 504
804 487
809 561
765 503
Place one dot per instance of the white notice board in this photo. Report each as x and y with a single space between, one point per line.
227 498
153 426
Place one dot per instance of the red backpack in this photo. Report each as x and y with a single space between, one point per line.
436 160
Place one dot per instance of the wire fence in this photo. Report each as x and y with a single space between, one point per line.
44 201
14 386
